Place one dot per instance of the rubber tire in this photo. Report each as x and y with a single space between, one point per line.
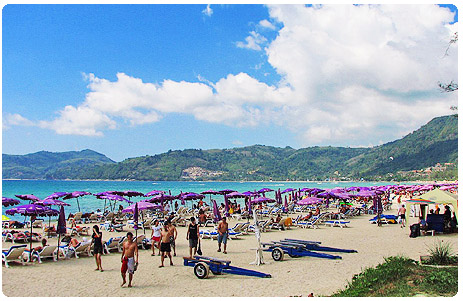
201 270
278 254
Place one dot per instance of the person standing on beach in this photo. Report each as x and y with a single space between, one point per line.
222 228
192 235
402 211
129 263
165 245
156 237
172 235
97 247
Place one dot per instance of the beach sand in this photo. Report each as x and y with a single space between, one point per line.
291 277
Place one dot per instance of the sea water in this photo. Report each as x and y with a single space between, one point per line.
89 203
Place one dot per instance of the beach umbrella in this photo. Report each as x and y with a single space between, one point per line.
154 192
286 204
290 189
135 219
262 200
51 202
76 195
365 194
226 191
235 195
309 201
140 206
216 211
61 226
31 210
114 197
264 190
250 193
56 195
27 197
227 208
9 202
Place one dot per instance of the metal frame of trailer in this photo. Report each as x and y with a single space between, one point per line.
315 246
301 248
203 265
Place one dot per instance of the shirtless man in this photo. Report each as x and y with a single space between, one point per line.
129 250
172 235
401 212
165 244
222 228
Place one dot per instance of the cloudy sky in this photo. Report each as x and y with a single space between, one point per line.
142 79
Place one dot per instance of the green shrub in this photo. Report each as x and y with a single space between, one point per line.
442 281
441 253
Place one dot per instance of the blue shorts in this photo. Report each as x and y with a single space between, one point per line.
222 238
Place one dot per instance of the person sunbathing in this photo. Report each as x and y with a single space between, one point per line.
308 216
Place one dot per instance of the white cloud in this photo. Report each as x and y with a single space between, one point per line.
253 41
208 11
15 119
350 75
266 24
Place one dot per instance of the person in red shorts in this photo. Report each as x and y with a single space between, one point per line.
156 237
129 262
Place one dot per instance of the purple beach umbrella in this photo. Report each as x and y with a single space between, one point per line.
32 210
9 202
61 226
27 197
56 195
154 192
76 195
309 201
216 211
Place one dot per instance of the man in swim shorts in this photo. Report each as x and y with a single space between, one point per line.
172 235
165 245
129 263
222 228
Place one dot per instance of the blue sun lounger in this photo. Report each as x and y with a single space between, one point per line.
203 265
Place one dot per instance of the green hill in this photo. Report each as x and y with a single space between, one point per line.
42 165
435 142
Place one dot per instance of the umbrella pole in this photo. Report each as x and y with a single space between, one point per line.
59 237
143 223
49 225
30 244
78 206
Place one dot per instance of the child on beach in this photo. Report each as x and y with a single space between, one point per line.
156 237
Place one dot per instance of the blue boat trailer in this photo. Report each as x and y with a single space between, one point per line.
203 265
315 246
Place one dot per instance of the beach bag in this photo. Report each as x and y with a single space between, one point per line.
414 230
199 249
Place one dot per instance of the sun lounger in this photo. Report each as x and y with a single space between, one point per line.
214 234
13 254
140 240
339 222
16 237
112 244
80 231
81 248
94 218
46 252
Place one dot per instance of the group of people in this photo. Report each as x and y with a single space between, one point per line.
163 238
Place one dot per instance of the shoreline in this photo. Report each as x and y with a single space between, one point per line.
210 181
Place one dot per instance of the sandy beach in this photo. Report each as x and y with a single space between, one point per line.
291 277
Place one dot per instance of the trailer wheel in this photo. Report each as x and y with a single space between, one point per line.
278 254
201 270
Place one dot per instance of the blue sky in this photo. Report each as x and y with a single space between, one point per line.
134 80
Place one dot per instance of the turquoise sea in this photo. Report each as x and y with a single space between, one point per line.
43 188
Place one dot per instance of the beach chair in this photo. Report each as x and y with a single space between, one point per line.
93 218
78 217
13 254
339 222
112 244
38 223
81 248
16 237
140 241
46 252
80 231
109 216
49 231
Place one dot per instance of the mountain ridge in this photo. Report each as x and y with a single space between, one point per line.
434 142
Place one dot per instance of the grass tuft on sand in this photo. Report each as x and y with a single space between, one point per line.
402 277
